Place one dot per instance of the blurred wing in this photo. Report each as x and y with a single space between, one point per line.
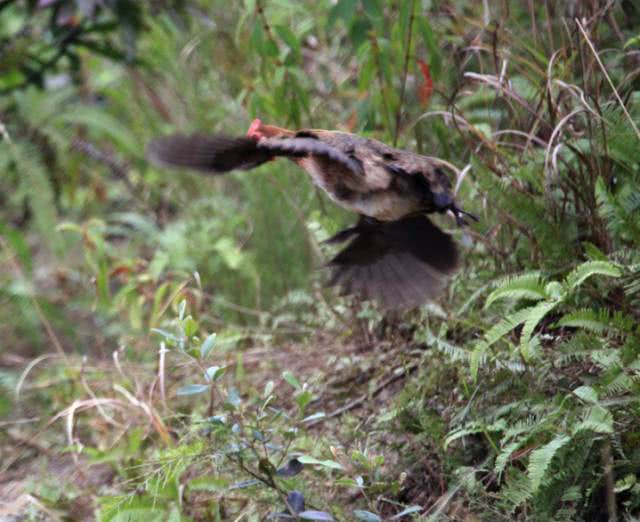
219 154
401 263
304 146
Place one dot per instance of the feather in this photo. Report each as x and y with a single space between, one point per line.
401 263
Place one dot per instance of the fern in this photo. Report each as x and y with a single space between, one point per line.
516 491
505 454
507 324
535 315
586 270
541 458
600 321
526 286
36 187
596 419
592 320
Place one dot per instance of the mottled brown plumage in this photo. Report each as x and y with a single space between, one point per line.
395 254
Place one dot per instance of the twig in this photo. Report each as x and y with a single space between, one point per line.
356 403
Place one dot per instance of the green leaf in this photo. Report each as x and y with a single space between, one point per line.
291 379
344 10
167 335
303 400
192 389
634 40
373 9
213 373
208 345
289 38
432 45
331 464
190 326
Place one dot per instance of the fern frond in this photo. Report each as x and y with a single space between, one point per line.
541 458
590 268
505 325
36 186
505 454
598 321
517 489
596 420
528 286
536 314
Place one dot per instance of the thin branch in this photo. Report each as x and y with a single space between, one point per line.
356 403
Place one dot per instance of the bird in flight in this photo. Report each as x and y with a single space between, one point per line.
394 253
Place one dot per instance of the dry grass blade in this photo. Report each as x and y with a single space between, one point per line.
606 75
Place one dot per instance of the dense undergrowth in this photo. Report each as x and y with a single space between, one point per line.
168 350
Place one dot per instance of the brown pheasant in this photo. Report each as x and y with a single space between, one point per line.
395 254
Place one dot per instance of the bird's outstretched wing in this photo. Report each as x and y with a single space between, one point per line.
401 263
220 154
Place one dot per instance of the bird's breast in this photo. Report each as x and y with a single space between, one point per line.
384 204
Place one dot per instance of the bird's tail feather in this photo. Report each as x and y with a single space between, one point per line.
401 263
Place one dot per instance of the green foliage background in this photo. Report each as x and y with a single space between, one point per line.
513 397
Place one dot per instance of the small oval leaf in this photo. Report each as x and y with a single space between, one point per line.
316 515
207 345
213 373
291 379
366 516
305 459
192 389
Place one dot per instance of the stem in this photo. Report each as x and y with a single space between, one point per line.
383 91
607 471
405 72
